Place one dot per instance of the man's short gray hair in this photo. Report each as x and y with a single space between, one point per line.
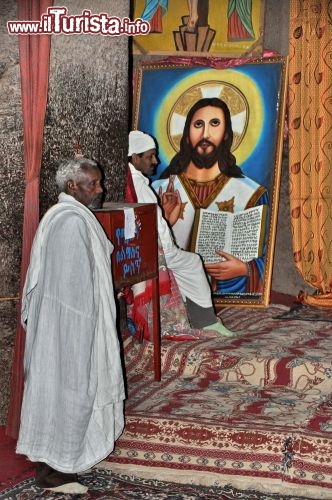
70 170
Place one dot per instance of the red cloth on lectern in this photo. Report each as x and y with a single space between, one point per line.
131 196
139 311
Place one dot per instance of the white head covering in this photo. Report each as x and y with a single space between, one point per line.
140 142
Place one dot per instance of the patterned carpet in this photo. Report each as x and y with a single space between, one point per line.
305 312
254 411
106 485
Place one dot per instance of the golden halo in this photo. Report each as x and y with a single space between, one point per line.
237 89
235 100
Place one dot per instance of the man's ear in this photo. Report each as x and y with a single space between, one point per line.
134 158
71 186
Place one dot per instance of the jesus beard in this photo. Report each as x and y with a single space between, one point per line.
204 160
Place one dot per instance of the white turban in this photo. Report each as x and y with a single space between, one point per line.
140 142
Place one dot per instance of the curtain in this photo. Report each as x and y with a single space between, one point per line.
34 63
310 144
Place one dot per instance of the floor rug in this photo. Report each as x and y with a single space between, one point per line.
305 312
254 411
106 485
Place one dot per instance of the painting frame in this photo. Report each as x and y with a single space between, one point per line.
232 28
156 90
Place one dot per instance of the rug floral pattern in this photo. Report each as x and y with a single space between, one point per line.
256 407
104 485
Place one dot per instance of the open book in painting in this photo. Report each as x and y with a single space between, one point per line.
240 234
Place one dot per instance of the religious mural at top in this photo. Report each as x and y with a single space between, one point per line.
192 27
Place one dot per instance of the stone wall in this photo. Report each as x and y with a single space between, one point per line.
11 193
11 157
88 102
286 278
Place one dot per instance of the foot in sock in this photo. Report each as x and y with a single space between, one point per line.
70 488
53 480
220 328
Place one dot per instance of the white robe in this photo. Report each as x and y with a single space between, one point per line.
186 266
72 410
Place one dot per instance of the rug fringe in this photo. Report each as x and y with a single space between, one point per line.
204 478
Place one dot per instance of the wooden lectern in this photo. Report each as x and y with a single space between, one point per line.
135 258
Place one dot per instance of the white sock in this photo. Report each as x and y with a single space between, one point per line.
71 488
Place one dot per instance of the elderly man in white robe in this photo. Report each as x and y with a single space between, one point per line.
186 266
72 410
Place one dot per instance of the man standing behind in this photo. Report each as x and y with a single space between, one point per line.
72 410
186 266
